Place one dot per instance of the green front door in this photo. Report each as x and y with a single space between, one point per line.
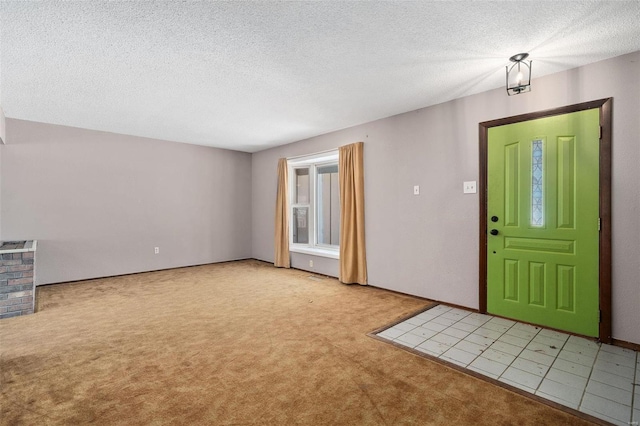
542 207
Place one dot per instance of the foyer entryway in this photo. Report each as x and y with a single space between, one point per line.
578 373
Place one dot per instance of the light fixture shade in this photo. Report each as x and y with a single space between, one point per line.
518 75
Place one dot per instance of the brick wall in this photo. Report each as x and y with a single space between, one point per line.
17 290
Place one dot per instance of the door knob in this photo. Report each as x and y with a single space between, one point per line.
494 232
494 218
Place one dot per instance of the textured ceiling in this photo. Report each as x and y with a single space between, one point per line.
252 75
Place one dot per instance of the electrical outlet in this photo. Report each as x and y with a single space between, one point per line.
156 250
470 187
416 189
311 264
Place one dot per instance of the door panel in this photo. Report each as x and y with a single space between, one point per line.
512 184
542 192
566 182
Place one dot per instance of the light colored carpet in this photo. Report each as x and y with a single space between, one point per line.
239 343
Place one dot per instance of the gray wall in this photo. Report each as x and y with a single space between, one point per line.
3 128
1 151
3 136
98 203
427 245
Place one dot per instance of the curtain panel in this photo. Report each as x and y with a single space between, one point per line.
353 262
281 241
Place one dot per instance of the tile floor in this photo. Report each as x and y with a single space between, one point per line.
597 379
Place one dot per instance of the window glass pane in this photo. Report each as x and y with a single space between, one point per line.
328 205
302 186
301 225
331 168
537 187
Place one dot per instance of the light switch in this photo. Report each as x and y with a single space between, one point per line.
416 190
470 187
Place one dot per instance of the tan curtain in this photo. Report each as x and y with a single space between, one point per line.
281 241
353 262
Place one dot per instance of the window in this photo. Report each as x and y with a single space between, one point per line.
537 183
315 204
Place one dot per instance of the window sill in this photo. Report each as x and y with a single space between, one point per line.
315 251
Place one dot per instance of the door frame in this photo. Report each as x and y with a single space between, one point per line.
605 107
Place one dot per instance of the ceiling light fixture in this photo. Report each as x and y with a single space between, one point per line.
519 75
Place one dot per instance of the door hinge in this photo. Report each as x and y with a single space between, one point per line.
599 223
600 132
